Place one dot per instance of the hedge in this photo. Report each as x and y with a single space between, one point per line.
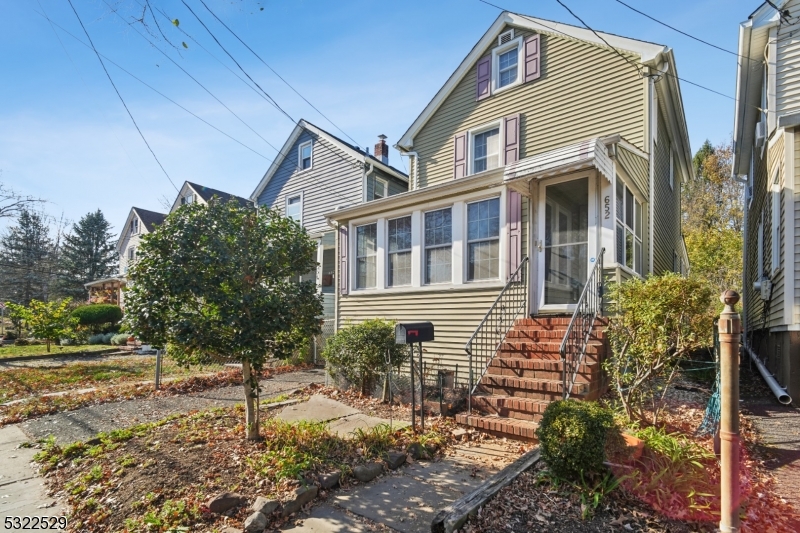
95 314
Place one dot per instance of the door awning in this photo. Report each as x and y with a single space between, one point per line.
591 153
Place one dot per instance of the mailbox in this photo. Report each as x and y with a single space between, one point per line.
413 332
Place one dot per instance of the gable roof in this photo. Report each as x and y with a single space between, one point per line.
150 219
650 54
348 149
206 193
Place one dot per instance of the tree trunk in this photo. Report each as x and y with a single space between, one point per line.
47 341
251 406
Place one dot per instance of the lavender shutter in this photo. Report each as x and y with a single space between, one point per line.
511 139
514 231
483 77
343 252
533 64
460 155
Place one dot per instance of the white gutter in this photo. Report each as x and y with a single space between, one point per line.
779 392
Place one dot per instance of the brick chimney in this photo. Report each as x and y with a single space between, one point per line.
382 150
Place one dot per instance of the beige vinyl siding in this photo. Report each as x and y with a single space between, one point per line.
763 313
796 222
666 203
128 242
455 315
584 92
788 63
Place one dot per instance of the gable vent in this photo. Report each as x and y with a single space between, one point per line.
505 37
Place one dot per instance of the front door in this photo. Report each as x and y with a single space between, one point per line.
565 211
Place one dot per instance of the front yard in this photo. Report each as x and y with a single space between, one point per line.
40 349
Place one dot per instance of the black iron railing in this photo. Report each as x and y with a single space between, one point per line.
576 339
492 331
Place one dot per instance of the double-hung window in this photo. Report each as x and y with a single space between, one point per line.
131 254
304 155
377 188
439 246
134 226
507 67
483 239
399 251
629 229
366 256
294 208
486 150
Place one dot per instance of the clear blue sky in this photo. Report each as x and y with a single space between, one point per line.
370 66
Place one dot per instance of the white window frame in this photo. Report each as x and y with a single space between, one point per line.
384 183
468 242
623 223
356 257
425 247
131 254
300 156
134 226
496 52
389 253
776 221
286 205
187 199
471 145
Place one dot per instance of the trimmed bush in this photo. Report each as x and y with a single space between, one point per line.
573 436
96 314
119 339
97 339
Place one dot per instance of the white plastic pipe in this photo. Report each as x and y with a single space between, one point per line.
779 392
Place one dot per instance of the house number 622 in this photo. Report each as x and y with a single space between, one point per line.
607 207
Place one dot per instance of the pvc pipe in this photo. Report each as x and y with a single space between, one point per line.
779 392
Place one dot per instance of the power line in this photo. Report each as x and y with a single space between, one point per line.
149 86
119 95
679 31
278 75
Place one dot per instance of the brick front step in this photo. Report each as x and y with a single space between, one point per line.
529 388
553 335
539 369
505 406
560 320
506 427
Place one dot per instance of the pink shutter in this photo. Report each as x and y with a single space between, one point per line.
483 77
514 231
460 155
511 139
343 252
533 56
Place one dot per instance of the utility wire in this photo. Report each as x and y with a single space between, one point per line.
150 86
278 75
673 28
99 58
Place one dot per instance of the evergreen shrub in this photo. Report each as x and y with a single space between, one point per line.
96 314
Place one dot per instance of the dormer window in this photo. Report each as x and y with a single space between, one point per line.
304 156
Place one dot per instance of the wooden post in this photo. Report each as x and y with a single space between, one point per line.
729 337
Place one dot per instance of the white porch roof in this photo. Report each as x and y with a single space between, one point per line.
591 153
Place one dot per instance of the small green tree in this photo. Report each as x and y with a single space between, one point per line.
49 321
659 322
215 282
360 352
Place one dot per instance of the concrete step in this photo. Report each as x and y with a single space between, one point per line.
537 389
506 427
536 368
509 407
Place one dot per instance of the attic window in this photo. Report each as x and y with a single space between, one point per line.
134 226
505 37
188 199
304 156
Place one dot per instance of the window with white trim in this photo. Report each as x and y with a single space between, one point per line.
188 199
439 246
294 208
304 155
506 71
377 188
485 150
399 251
366 256
483 239
629 229
131 254
776 222
134 226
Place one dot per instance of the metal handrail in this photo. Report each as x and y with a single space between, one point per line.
576 338
484 343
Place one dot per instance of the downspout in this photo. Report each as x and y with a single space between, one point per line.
414 183
779 392
650 208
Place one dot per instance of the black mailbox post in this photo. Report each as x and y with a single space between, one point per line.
415 333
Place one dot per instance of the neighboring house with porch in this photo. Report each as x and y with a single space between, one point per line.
767 157
141 222
316 172
542 148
